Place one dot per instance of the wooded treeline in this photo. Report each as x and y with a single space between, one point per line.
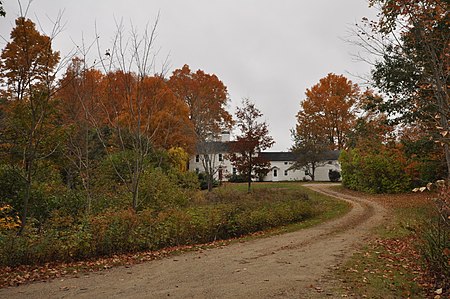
93 158
86 139
395 135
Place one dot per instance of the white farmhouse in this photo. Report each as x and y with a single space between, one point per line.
280 163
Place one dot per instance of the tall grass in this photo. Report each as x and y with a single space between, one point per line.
435 235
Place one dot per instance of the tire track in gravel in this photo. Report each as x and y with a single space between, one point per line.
290 265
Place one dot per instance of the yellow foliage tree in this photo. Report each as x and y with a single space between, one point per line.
179 158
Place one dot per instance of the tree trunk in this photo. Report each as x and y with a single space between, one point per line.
135 197
135 189
313 172
447 158
209 171
249 188
443 106
209 178
26 200
86 180
250 167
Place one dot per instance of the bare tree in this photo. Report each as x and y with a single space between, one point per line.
128 63
208 151
79 91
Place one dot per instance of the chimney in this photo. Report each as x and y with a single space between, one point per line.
225 136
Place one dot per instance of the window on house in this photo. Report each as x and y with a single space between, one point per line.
306 171
275 173
197 158
220 157
285 163
197 170
285 172
234 171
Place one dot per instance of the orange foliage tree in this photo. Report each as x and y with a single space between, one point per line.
28 65
330 106
167 116
375 162
324 121
159 115
142 112
207 98
380 157
28 60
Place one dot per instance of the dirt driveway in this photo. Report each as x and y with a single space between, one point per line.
292 265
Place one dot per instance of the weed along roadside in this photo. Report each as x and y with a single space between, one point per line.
121 237
393 264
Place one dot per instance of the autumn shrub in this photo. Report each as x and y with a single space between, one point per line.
378 170
29 248
14 250
269 214
65 239
435 234
425 158
234 213
160 191
9 219
114 232
116 166
187 180
263 209
48 193
62 238
12 186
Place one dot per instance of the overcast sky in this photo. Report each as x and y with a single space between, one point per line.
269 51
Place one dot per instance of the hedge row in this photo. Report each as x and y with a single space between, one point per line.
112 232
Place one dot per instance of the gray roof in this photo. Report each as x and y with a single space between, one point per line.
290 156
214 146
278 156
332 155
224 147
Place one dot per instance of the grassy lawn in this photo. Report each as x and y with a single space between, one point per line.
390 266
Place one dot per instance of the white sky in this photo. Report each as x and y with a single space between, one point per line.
268 51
